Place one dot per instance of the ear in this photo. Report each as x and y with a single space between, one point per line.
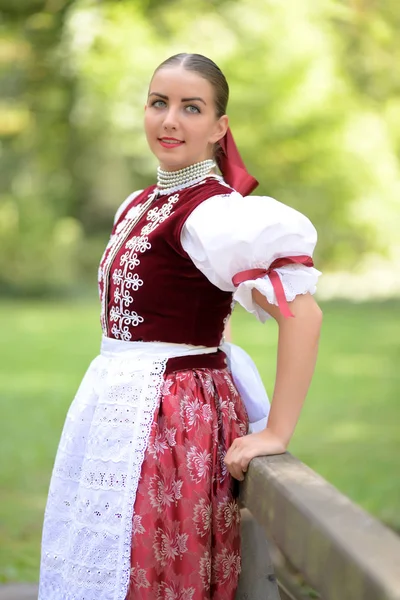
221 127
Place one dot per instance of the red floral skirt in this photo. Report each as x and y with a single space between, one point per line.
186 525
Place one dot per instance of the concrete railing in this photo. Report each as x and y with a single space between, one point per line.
333 545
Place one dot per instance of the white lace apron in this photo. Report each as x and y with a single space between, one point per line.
88 520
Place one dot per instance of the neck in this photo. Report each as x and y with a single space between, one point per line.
166 180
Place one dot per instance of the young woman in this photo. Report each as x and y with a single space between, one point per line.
142 502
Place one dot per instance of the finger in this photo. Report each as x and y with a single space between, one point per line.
233 449
234 466
244 462
231 455
235 461
230 452
236 472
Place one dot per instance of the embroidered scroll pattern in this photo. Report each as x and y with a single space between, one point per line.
126 280
125 275
116 240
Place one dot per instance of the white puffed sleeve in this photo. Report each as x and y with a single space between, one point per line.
229 234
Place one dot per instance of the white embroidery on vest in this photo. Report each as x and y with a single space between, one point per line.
125 280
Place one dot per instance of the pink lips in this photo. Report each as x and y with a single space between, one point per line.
167 142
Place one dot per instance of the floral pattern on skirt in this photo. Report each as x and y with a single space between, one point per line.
186 524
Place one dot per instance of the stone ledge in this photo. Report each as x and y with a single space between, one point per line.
342 551
19 591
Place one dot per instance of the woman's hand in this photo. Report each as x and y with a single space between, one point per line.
243 449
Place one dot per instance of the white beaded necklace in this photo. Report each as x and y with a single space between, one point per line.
177 180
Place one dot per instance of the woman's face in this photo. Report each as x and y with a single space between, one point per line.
180 118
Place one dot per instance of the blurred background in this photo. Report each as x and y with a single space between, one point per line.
315 109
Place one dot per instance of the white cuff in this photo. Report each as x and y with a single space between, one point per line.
296 280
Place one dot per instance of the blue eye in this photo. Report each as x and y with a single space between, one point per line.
158 104
191 108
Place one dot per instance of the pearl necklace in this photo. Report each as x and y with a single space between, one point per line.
174 180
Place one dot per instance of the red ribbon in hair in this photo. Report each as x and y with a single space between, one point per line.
274 278
232 166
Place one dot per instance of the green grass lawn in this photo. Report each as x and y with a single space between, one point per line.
349 431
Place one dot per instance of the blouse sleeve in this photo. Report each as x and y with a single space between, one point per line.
125 203
241 243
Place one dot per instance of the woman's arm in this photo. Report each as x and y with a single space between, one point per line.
297 354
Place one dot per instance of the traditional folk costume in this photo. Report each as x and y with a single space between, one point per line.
141 505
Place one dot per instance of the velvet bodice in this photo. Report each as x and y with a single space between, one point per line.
149 287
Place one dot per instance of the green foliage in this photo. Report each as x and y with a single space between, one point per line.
313 106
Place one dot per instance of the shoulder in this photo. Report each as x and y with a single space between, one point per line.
230 211
193 197
214 186
131 200
276 213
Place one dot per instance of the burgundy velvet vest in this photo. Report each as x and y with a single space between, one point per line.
149 287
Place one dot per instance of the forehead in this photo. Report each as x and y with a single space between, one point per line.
177 81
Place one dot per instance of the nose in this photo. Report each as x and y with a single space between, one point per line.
170 120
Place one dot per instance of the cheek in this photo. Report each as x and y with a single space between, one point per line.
201 131
148 123
206 129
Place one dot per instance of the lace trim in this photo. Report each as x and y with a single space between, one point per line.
88 521
296 280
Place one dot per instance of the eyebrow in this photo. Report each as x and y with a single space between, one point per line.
182 99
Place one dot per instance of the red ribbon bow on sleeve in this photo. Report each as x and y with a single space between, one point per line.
274 278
